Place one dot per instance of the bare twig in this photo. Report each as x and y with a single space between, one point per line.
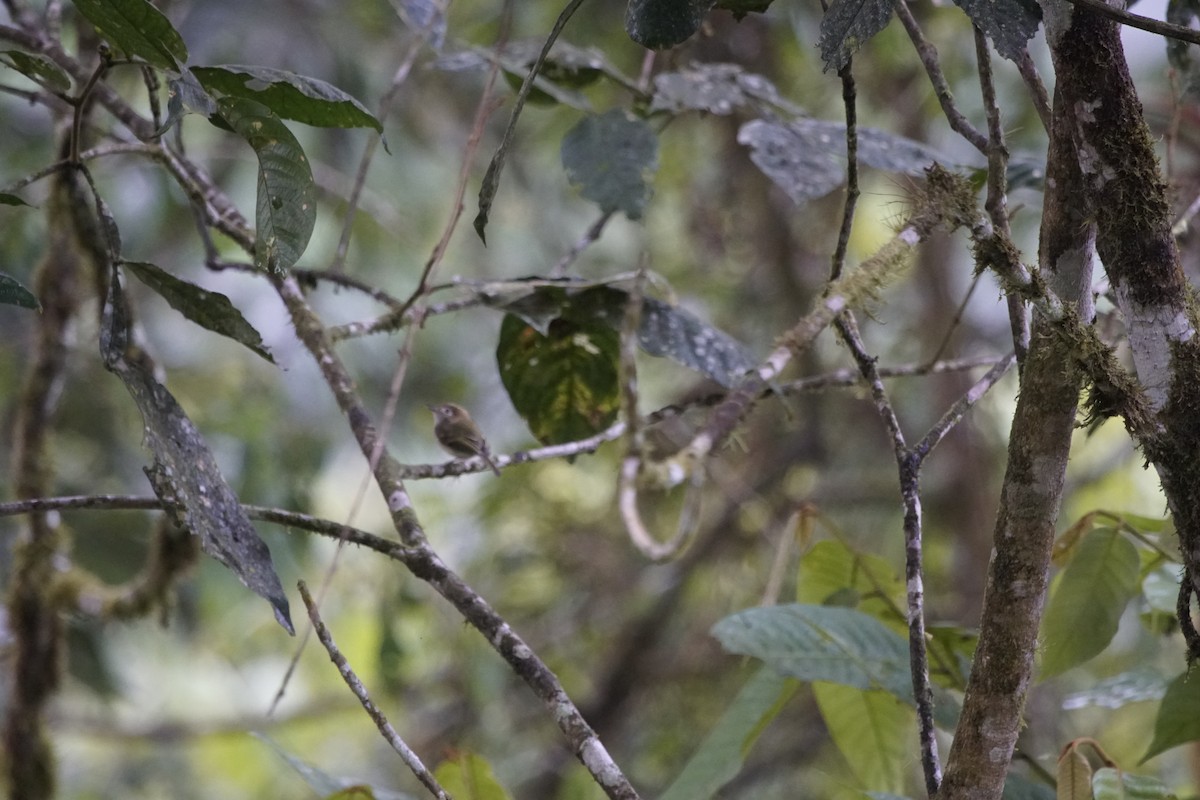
1167 29
1041 99
410 759
591 235
929 57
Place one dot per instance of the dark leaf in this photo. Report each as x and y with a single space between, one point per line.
565 69
787 159
847 26
659 24
184 474
8 199
12 293
740 8
286 211
289 95
136 28
715 88
612 158
1010 24
211 310
37 68
563 383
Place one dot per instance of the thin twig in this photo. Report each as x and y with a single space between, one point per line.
1167 29
1041 99
410 759
929 57
591 235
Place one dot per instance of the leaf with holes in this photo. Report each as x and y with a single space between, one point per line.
136 28
286 210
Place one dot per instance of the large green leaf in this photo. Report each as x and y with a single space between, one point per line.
831 573
37 68
612 158
286 210
873 731
137 28
722 753
564 382
659 24
1092 593
289 95
1177 722
12 293
211 310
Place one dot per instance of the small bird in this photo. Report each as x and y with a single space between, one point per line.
458 434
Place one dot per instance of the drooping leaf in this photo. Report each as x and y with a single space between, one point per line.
563 383
715 88
37 68
286 209
12 293
659 24
136 28
325 785
1074 775
872 731
185 96
289 95
1010 24
847 26
722 753
9 199
184 475
612 158
211 310
1177 721
1092 593
469 776
1113 784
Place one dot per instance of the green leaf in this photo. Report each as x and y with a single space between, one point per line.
286 211
831 567
821 643
211 310
612 158
1177 722
1113 784
722 753
872 730
136 28
37 68
659 24
289 95
1092 593
1074 776
1010 24
1017 787
185 475
469 777
9 199
847 26
563 383
12 293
